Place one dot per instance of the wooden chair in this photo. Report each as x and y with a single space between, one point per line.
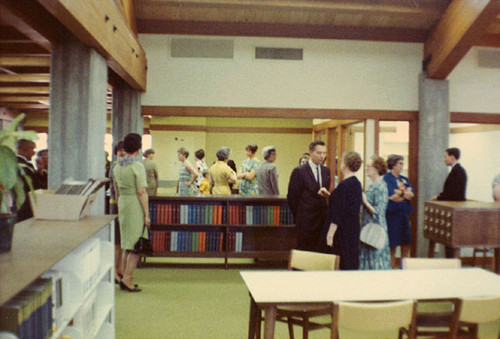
435 317
475 311
375 317
301 314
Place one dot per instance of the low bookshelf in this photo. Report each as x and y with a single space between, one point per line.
221 227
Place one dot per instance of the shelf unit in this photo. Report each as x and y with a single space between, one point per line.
221 227
79 258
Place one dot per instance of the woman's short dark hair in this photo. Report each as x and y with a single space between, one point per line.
132 143
148 152
223 153
379 164
183 151
352 160
231 164
393 159
199 154
118 146
252 148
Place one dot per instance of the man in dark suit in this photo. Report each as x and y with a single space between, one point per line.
307 197
25 151
456 183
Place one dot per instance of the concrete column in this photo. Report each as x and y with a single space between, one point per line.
77 119
126 117
434 127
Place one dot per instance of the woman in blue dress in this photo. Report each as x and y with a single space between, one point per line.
248 172
399 208
374 207
187 174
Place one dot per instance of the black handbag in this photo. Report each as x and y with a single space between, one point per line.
143 245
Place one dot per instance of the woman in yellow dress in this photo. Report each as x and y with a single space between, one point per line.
221 174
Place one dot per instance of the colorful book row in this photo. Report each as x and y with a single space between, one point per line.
183 241
28 315
213 214
187 214
259 215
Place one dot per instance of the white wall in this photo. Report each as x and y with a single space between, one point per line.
479 157
334 74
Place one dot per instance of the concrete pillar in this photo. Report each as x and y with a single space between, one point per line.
434 127
77 119
126 117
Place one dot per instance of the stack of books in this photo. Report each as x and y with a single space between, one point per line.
82 188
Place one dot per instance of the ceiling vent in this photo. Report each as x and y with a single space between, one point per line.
202 48
275 53
488 58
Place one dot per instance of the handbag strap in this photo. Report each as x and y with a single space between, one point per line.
143 228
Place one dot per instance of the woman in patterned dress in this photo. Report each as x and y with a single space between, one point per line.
187 174
200 166
248 172
374 206
133 212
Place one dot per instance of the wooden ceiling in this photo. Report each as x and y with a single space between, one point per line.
448 29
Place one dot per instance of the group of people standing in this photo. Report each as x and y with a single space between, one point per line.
330 223
254 177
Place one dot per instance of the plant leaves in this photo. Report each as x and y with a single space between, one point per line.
20 194
8 167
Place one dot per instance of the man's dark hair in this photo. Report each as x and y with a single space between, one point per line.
132 143
453 151
315 143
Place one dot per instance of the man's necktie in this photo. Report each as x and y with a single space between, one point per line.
318 177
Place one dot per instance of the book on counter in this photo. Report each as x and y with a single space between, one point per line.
81 187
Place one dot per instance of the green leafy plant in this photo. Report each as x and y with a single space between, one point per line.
11 172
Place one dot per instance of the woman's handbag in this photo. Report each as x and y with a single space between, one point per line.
373 235
143 245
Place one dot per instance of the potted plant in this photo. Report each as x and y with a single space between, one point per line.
12 173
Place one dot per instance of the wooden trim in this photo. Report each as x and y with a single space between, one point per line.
38 78
281 30
25 61
25 90
377 137
265 112
333 124
473 129
210 129
331 155
475 118
462 24
38 129
413 177
100 25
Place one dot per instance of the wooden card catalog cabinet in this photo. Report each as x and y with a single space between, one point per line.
462 224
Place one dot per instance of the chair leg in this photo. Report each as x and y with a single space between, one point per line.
305 328
290 328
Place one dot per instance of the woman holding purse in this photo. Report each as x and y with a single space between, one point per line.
374 207
130 189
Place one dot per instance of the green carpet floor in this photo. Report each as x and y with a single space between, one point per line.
206 301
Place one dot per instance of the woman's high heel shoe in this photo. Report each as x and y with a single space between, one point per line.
126 288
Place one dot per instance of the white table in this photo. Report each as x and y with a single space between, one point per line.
269 289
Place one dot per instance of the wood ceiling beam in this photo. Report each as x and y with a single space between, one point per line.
25 99
38 78
30 107
100 25
28 47
25 61
282 30
32 20
25 90
462 25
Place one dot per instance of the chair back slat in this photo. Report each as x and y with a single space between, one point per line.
429 263
373 317
312 261
480 310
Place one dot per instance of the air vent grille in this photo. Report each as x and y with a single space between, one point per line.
279 53
202 48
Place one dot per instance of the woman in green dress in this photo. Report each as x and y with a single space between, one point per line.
248 172
133 213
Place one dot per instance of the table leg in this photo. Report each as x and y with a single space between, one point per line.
270 321
452 252
254 317
432 247
496 261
